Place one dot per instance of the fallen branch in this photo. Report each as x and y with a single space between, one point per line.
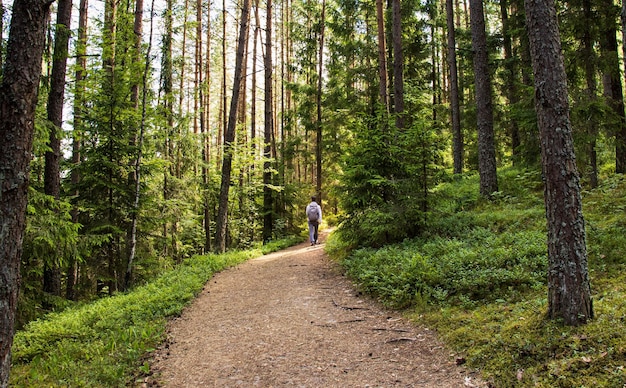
348 307
401 339
336 323
387 329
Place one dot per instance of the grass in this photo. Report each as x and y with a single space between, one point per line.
478 276
105 343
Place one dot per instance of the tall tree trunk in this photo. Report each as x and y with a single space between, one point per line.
136 174
612 79
201 119
109 62
229 136
56 99
255 51
455 106
206 155
133 174
398 64
79 113
318 143
623 23
382 56
435 70
138 32
590 78
167 70
511 79
1 36
484 109
198 119
224 99
268 201
569 294
18 99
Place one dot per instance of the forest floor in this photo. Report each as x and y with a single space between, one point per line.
291 319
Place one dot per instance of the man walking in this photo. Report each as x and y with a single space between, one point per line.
314 217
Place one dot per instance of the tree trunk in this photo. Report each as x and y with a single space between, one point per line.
398 64
56 98
229 136
511 79
1 36
569 294
484 109
79 112
612 80
268 218
109 62
318 143
382 56
18 99
137 163
167 69
253 86
138 32
455 109
206 155
590 78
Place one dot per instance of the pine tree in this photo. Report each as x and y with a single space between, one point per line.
569 294
229 135
56 99
18 98
484 107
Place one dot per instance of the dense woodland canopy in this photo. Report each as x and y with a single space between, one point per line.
169 128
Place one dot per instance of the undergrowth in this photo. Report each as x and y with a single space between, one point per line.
477 274
104 343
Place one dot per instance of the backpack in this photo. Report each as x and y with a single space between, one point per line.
312 212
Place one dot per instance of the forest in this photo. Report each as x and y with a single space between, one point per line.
147 134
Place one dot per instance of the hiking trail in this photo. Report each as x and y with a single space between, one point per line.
291 318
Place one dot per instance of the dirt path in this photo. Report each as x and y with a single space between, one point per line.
291 319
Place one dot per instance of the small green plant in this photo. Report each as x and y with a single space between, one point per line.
477 273
103 343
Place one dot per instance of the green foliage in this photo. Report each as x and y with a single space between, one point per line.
103 343
478 268
515 346
384 190
477 274
50 232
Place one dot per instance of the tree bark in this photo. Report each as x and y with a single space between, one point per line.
590 78
56 99
2 11
398 65
318 143
511 79
455 109
229 135
79 112
139 142
268 218
569 294
206 148
382 56
138 32
612 80
484 108
167 70
18 99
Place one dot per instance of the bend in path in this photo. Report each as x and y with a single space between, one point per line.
291 319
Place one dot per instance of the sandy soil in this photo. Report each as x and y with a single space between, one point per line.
292 319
